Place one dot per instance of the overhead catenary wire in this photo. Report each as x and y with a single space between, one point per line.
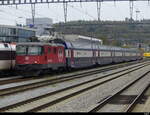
29 12
81 11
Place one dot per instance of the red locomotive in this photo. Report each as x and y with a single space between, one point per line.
40 56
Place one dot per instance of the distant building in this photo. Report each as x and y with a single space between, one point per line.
40 24
145 47
145 20
15 34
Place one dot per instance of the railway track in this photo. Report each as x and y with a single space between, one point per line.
128 106
17 79
137 99
50 99
21 87
8 78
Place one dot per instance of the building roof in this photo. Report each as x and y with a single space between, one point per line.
17 27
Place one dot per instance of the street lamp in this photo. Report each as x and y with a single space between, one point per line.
137 11
16 20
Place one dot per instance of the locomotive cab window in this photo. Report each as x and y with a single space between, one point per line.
21 50
29 50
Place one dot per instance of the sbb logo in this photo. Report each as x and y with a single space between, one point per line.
26 58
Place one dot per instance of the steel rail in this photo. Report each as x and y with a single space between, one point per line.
14 80
136 100
79 92
12 90
108 99
20 79
68 96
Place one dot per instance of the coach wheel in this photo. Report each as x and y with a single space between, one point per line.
69 69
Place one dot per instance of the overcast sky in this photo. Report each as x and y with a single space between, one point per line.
9 15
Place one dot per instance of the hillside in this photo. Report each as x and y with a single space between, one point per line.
111 32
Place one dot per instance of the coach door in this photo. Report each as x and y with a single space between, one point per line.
72 57
60 55
94 56
113 54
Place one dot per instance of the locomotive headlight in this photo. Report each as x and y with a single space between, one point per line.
35 61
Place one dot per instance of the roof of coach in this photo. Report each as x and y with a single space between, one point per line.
88 45
39 44
7 46
77 44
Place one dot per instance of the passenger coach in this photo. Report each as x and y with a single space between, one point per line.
84 54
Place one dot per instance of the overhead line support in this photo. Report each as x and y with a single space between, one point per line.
131 10
98 9
65 10
33 13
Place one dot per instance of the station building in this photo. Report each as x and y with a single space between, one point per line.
40 24
16 33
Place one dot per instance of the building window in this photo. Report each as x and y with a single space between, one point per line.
14 31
